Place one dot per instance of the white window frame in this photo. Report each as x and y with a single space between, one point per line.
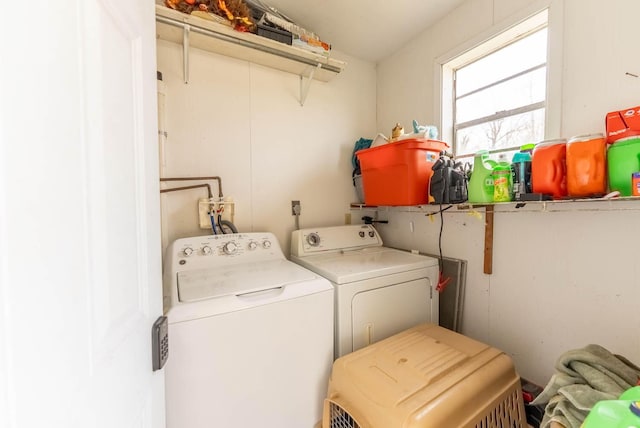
492 39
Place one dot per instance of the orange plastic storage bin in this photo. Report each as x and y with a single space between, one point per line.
586 165
549 168
399 173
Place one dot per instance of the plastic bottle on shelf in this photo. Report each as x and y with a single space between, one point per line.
587 166
502 180
623 159
548 168
521 172
481 186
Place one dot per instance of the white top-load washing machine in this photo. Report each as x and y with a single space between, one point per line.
250 334
379 291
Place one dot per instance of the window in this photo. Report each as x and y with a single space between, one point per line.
498 91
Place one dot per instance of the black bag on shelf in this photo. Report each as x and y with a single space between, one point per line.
448 184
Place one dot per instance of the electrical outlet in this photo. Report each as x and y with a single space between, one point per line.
296 208
347 218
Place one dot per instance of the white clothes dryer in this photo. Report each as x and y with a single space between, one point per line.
379 291
250 334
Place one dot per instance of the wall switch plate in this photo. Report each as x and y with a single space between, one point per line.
295 204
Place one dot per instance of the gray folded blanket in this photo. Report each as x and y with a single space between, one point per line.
583 377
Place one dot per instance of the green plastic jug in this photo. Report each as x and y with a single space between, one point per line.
622 413
481 182
623 159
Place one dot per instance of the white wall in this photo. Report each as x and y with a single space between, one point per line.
573 282
243 122
565 276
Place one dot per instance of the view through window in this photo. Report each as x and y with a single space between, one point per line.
499 98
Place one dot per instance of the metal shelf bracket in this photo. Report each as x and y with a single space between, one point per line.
185 52
305 85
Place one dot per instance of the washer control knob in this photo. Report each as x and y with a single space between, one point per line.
230 248
187 251
206 250
313 239
371 234
361 233
266 244
253 245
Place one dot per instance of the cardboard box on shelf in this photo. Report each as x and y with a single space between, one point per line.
622 123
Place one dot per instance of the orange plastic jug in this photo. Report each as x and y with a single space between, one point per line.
586 165
548 168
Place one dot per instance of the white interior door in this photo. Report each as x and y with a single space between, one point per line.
80 272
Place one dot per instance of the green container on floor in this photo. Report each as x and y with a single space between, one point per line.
622 413
623 159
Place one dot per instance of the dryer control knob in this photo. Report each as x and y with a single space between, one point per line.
230 247
371 234
361 233
313 239
206 250
187 251
253 245
266 244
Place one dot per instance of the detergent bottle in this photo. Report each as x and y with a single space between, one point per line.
481 187
521 174
549 168
502 180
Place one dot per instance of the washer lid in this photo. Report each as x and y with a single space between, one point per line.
239 279
357 265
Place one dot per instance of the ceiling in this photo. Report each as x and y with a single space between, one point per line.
366 29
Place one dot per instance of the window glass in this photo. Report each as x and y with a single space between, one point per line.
523 90
521 55
499 98
508 132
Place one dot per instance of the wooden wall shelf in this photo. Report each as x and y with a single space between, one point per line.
490 209
212 36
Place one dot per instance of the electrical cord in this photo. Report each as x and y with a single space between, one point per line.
441 259
440 211
296 211
441 281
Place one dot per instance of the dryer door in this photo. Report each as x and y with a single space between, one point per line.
383 312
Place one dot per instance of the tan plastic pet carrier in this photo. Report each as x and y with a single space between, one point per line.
424 377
